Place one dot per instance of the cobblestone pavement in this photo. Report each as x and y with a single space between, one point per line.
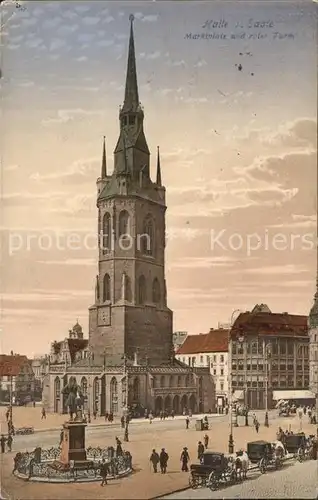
143 437
297 480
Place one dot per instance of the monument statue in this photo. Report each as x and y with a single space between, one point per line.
74 397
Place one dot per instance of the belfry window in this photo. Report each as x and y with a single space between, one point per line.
106 239
142 290
155 291
124 223
148 236
106 288
131 120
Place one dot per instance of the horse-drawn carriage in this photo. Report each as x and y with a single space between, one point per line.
215 468
299 446
264 454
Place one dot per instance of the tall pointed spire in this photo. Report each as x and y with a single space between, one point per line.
131 102
158 181
104 166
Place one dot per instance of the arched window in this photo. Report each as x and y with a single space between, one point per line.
113 395
124 223
148 236
106 288
106 240
128 294
57 385
142 290
156 291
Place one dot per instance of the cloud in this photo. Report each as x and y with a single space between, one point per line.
11 168
69 262
67 29
12 46
56 43
86 37
108 19
298 221
81 58
288 269
26 84
53 22
67 115
203 262
90 21
34 43
25 198
200 63
153 55
80 204
105 43
81 8
176 64
151 18
83 170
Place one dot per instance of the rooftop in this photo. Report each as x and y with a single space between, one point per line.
274 324
10 365
214 341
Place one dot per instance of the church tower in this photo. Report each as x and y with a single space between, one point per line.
313 344
130 313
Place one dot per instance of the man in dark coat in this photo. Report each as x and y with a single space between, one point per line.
154 459
103 472
206 441
184 460
187 422
9 442
119 450
3 443
200 450
163 460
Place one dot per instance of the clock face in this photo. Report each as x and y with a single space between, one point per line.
104 316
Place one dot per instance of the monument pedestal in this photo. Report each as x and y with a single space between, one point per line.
73 444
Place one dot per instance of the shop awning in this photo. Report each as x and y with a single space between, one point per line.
238 395
280 395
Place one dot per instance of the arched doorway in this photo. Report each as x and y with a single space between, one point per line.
167 405
103 395
192 403
114 396
57 394
176 404
184 403
158 405
96 395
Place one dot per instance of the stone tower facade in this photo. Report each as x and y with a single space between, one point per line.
313 348
130 314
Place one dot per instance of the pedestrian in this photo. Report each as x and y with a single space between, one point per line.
16 461
94 414
154 459
122 421
257 426
43 413
33 403
163 460
9 442
206 441
3 443
161 415
172 413
184 459
72 467
8 414
103 472
150 418
119 450
106 416
187 422
200 450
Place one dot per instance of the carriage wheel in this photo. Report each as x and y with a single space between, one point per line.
212 482
193 482
300 456
262 466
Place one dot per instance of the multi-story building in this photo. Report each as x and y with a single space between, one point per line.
178 339
270 357
16 378
313 348
209 350
130 356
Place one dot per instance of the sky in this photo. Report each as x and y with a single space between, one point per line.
235 119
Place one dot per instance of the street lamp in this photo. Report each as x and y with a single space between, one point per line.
125 402
231 441
267 355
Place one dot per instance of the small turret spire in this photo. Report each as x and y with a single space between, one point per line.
158 181
131 102
104 166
